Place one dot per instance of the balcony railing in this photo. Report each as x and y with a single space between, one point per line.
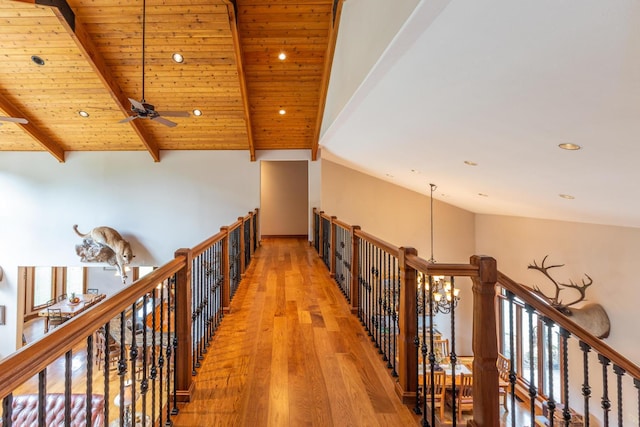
130 358
398 311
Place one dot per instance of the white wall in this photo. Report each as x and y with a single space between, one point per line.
159 207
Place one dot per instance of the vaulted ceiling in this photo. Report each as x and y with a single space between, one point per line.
92 53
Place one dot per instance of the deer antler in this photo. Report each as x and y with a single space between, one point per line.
543 269
555 302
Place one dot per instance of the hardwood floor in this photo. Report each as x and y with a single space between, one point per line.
291 354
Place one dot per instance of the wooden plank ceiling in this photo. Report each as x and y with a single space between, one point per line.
92 52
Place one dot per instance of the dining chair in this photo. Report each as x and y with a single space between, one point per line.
504 367
55 318
463 396
106 349
437 391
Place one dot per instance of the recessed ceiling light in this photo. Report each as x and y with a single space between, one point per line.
282 56
470 163
566 196
178 58
569 146
83 113
197 112
282 112
483 195
37 60
389 175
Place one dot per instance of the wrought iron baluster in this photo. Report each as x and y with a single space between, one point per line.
533 391
551 403
153 371
67 388
605 402
42 395
586 389
7 409
394 315
89 382
636 383
173 348
160 352
122 366
512 371
619 373
564 341
432 356
144 382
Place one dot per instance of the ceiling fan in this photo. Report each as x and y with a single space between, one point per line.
13 120
143 110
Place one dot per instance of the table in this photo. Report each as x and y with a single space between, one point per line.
70 310
460 369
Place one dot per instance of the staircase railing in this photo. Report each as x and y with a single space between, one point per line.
130 358
395 300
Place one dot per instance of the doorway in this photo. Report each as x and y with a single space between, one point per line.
284 198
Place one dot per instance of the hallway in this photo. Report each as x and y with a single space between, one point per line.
290 353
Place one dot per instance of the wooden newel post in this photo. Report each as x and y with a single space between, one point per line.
486 411
184 379
355 268
408 324
226 282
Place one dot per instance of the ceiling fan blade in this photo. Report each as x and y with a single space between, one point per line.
136 104
174 113
14 120
164 121
128 119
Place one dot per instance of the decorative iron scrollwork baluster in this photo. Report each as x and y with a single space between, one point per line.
586 389
551 403
564 342
619 373
605 402
533 391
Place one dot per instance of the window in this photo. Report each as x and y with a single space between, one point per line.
74 280
42 285
530 330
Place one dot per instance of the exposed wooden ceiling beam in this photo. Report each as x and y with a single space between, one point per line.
49 145
89 51
324 86
231 8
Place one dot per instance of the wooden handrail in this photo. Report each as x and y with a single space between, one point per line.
543 307
33 358
201 247
235 225
387 247
424 266
342 224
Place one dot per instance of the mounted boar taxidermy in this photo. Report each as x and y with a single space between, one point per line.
591 317
104 244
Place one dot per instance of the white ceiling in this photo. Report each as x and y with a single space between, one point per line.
502 83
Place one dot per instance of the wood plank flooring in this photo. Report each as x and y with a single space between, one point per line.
290 353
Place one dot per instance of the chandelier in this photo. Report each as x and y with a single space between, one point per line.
437 292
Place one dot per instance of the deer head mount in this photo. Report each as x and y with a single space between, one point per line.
592 317
555 301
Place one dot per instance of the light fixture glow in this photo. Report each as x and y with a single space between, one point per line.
197 112
566 196
483 195
83 113
178 58
569 146
282 112
470 163
282 56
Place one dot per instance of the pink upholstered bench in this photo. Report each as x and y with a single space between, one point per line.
25 410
